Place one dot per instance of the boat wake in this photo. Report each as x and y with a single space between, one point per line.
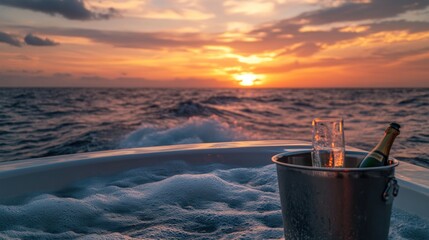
194 130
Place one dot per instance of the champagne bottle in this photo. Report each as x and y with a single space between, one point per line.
379 155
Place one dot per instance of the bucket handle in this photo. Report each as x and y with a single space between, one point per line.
392 188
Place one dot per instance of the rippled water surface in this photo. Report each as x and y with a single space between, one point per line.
47 122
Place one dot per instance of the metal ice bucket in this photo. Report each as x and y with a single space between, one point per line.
335 203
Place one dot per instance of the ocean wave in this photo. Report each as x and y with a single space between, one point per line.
95 140
26 95
408 101
262 113
194 130
303 105
221 99
268 99
190 108
418 101
64 125
419 138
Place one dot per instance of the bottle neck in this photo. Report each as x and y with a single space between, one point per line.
386 143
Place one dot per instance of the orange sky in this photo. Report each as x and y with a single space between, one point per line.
211 43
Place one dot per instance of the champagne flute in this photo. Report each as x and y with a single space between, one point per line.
328 143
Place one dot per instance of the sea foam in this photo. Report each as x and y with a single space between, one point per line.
165 202
174 201
193 130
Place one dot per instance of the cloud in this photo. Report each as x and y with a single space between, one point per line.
306 49
24 71
9 39
298 43
410 26
274 35
125 39
30 39
398 54
326 26
188 10
62 75
180 14
70 9
358 11
249 7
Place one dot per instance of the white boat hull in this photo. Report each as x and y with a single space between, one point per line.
19 178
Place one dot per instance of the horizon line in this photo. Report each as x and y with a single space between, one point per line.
216 88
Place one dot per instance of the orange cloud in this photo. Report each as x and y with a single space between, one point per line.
249 7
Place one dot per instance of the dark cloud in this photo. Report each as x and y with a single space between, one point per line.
71 9
147 40
30 39
306 49
354 11
24 71
399 54
310 41
273 35
144 40
62 75
9 39
409 26
379 10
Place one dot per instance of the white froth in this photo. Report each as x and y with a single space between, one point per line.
177 201
194 130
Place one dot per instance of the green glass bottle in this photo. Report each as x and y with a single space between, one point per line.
379 155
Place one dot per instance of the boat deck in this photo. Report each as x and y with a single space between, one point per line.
29 176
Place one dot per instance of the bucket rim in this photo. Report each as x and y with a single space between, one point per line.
276 159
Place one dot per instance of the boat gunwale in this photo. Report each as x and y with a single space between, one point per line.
58 172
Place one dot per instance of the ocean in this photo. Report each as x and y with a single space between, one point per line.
50 121
178 200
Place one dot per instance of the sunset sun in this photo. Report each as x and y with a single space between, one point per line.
247 79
